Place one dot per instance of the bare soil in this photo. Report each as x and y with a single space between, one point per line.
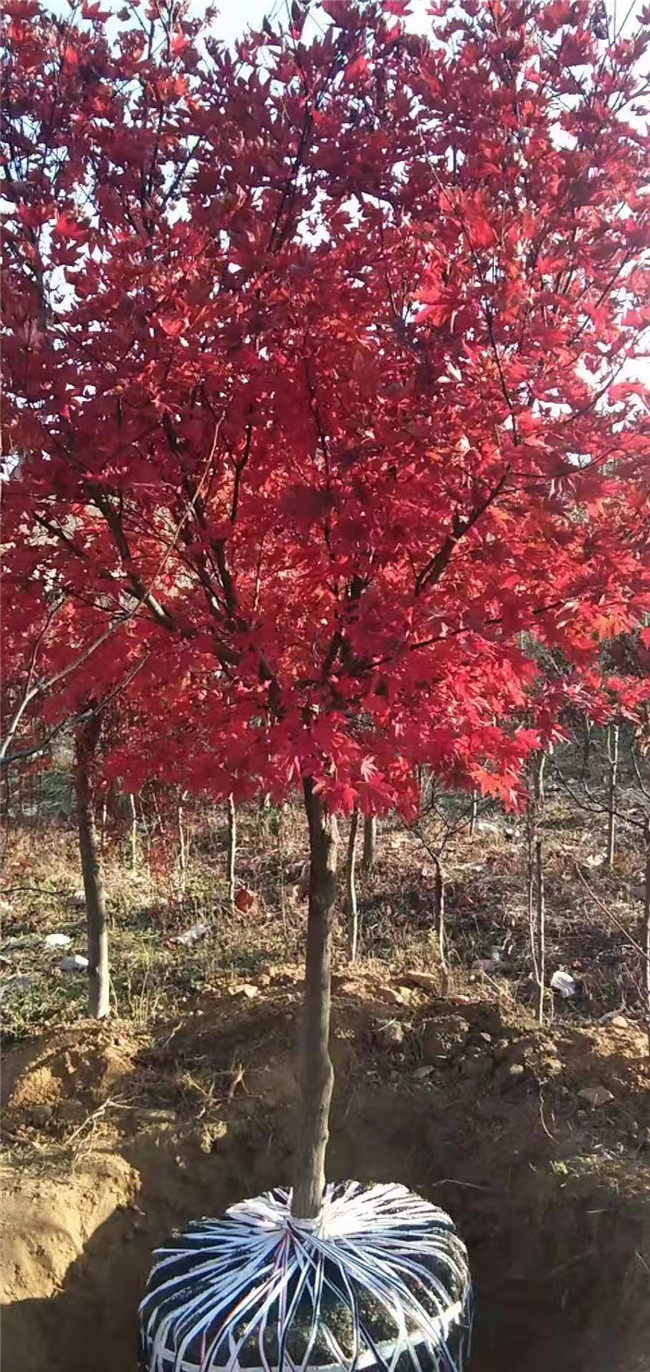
115 1136
185 1100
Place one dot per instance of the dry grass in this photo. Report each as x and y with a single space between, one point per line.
591 919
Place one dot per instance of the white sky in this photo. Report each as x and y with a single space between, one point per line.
237 15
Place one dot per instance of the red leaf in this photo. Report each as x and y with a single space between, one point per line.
67 227
171 325
244 899
357 67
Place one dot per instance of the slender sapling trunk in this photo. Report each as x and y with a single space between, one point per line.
645 928
540 912
586 751
232 849
536 895
369 842
351 887
182 846
439 898
98 973
613 736
473 813
315 1067
134 834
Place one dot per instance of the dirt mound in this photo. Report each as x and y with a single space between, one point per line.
45 1224
462 1100
56 1083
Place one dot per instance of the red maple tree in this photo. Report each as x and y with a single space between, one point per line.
317 373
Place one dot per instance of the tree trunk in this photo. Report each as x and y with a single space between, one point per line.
104 821
98 975
536 895
612 751
134 834
645 928
369 842
351 888
232 849
439 896
182 848
540 910
586 751
473 813
316 1073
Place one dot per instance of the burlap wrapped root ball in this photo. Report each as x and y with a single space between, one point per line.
379 1280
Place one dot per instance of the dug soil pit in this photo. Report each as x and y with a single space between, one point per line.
115 1138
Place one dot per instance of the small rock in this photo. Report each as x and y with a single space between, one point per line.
406 994
421 1073
57 940
249 991
74 962
390 994
190 936
391 1034
564 984
595 1096
78 899
347 988
424 980
619 1022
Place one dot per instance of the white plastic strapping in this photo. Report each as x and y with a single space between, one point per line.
379 1279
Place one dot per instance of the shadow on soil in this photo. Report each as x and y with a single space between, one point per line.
561 1264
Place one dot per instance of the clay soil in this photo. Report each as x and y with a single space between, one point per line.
536 1141
115 1136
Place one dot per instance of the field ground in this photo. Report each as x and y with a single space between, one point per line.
185 1100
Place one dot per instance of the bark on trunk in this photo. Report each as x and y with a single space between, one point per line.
369 842
586 751
645 929
316 1073
232 849
439 896
98 974
134 834
182 848
536 895
351 887
612 751
473 812
541 929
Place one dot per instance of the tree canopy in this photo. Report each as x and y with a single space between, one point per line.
319 386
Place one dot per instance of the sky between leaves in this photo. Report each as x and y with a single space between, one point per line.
235 16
